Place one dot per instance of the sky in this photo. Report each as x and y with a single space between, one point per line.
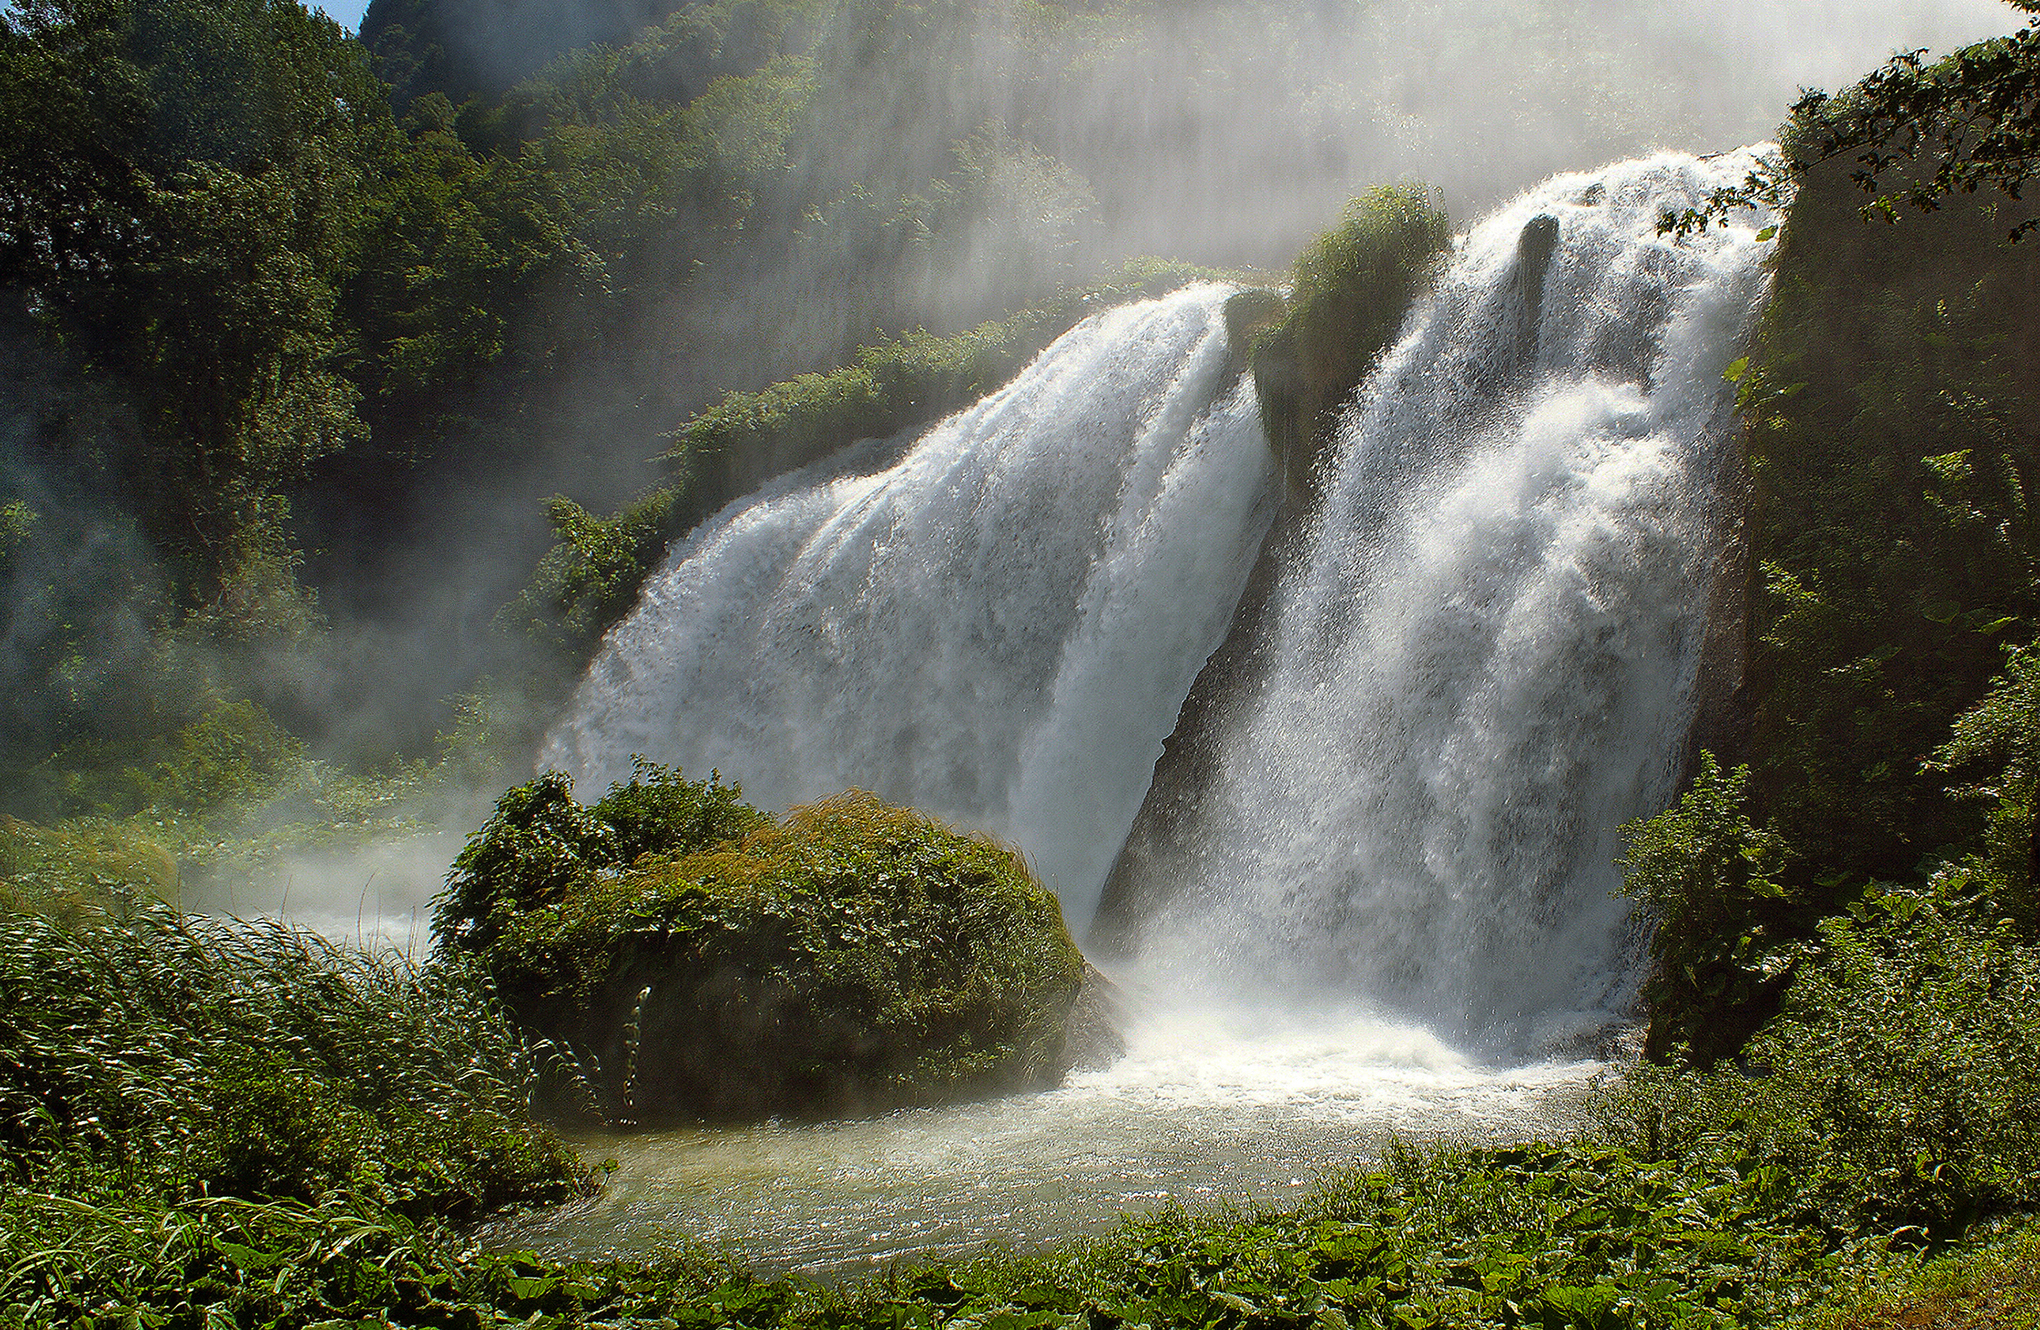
348 12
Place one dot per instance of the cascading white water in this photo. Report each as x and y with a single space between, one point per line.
995 622
1484 661
1486 649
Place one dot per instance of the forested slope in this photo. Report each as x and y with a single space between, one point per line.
252 310
306 330
1891 410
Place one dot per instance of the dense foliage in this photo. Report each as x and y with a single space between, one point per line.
1892 437
264 290
287 312
158 1058
540 843
1898 1088
715 963
1350 288
1916 134
1708 878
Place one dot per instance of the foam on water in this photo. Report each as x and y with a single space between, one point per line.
1209 1105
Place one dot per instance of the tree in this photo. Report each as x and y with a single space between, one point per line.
181 195
1919 133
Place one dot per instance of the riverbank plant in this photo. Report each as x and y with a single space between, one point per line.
163 1057
212 1124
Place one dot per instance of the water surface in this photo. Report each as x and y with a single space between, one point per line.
1207 1107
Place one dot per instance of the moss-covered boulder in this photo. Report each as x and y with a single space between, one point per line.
849 956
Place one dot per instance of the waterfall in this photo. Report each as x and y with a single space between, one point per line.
994 620
1485 643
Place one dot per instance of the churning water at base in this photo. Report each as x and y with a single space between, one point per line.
994 622
1485 652
1208 1106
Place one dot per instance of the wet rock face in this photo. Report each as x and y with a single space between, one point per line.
1533 260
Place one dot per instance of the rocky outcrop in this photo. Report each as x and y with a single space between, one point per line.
705 962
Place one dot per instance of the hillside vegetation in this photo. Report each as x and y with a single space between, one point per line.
306 334
274 302
1892 434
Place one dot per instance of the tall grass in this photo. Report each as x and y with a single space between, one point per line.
178 1056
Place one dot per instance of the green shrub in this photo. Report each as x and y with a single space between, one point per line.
180 1054
537 843
657 810
1706 878
1350 289
913 379
540 842
1898 1086
1996 744
590 577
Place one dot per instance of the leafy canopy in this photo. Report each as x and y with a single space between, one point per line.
1917 132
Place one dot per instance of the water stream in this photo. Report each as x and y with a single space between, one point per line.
1210 1106
1485 652
994 620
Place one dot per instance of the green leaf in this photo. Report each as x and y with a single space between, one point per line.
526 1289
247 1258
1736 369
1768 233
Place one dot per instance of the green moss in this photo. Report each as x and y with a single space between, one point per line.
1350 289
850 956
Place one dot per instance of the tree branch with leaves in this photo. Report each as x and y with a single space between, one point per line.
1918 133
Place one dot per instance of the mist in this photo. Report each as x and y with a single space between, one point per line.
930 177
1213 132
